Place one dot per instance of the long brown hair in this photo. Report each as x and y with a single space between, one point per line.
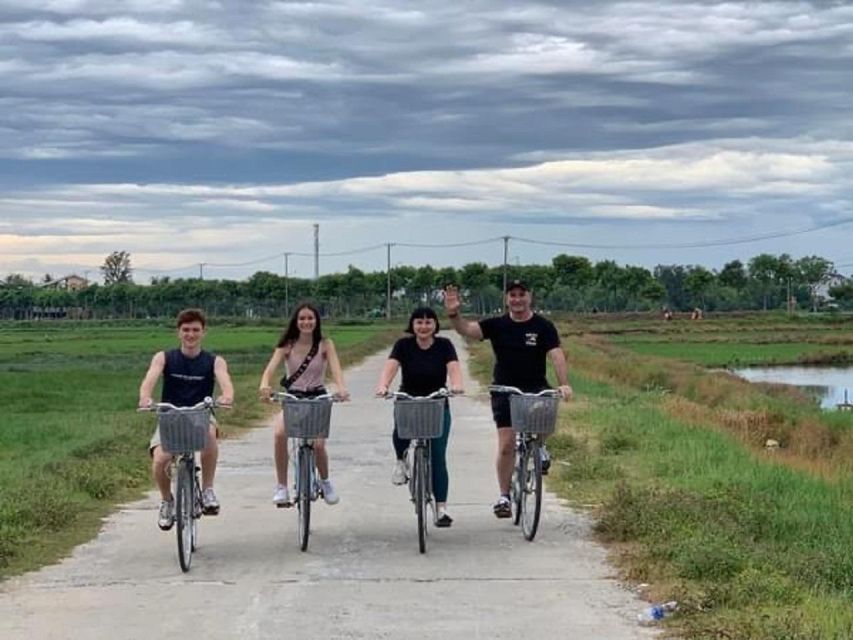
291 334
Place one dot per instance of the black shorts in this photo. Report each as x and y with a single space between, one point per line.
500 410
308 393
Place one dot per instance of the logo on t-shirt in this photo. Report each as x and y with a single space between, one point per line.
530 339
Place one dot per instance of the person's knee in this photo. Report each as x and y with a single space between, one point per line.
159 460
506 442
212 447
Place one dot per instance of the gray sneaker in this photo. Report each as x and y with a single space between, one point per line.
167 515
400 474
329 493
209 503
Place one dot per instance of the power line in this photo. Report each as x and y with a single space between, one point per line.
449 244
689 245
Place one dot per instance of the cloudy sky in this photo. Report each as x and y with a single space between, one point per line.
218 132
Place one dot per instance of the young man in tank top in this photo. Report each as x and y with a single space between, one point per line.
188 375
522 341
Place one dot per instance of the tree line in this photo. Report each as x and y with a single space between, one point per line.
569 283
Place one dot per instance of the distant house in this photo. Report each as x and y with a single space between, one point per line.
71 282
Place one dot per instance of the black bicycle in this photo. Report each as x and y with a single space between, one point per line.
534 416
420 420
306 419
183 431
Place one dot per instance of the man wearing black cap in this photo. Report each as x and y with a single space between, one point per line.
521 340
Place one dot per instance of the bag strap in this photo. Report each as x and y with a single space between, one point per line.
286 382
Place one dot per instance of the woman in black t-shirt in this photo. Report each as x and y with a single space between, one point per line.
426 361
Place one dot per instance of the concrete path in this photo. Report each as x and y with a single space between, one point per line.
362 576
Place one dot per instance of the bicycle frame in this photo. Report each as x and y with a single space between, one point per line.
186 487
305 473
526 485
420 476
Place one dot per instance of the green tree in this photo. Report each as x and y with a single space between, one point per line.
763 269
733 275
574 271
116 268
697 282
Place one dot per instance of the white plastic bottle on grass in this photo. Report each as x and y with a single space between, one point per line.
656 613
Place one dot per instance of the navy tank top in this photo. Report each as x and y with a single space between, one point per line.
187 381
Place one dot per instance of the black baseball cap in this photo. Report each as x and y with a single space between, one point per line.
516 284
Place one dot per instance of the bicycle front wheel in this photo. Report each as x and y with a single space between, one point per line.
420 494
197 509
516 489
184 512
303 493
531 490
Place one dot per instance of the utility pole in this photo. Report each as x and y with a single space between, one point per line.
790 301
506 251
201 271
388 283
286 292
316 250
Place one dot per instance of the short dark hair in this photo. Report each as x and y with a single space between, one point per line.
422 312
190 315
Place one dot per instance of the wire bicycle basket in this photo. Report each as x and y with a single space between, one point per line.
419 418
184 431
533 414
307 417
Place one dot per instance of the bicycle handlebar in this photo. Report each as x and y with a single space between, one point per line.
281 396
207 403
501 388
402 395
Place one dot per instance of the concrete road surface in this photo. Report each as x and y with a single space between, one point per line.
362 576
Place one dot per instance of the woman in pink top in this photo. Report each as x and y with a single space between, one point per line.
302 343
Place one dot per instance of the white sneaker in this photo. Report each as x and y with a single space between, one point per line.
209 503
329 494
400 474
166 517
281 497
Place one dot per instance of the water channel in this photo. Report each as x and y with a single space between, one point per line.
828 384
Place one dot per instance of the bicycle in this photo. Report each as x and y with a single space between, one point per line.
306 419
183 431
534 416
420 419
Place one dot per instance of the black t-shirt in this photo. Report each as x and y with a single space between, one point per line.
424 370
520 349
187 381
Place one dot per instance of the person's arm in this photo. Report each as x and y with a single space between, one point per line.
226 388
454 373
264 388
155 370
335 368
452 304
387 376
561 370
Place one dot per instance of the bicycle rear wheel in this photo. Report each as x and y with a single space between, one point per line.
420 494
531 489
303 493
184 512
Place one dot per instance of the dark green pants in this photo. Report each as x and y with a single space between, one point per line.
438 446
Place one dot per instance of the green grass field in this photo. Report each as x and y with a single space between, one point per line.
72 444
668 456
